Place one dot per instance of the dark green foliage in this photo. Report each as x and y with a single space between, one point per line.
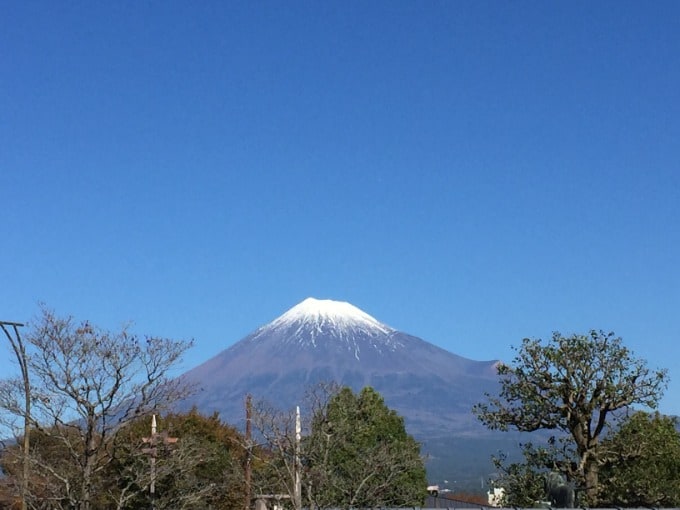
360 455
643 463
522 482
201 469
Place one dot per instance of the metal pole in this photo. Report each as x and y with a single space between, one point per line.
20 352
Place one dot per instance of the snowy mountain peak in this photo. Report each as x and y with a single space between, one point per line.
316 318
335 314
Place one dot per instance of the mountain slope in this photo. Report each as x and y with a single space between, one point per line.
324 340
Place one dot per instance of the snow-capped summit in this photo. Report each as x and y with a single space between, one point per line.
334 321
326 312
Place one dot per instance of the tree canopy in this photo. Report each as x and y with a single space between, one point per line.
642 463
360 455
353 451
201 467
572 385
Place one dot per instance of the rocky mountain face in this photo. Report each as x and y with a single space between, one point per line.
324 340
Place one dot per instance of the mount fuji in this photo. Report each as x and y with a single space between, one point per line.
323 341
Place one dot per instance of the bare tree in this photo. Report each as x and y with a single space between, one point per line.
355 452
86 384
280 460
276 430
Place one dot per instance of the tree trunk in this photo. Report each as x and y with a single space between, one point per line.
90 458
591 476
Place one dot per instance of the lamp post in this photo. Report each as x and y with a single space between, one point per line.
20 352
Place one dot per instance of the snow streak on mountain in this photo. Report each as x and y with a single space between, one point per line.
334 315
315 320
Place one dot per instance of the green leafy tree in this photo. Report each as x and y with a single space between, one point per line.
197 464
353 451
572 385
642 466
523 482
201 469
359 455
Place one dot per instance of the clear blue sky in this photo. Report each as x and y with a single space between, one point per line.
468 172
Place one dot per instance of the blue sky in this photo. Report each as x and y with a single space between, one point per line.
472 173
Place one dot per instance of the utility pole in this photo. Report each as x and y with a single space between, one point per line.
247 468
20 352
153 453
298 482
